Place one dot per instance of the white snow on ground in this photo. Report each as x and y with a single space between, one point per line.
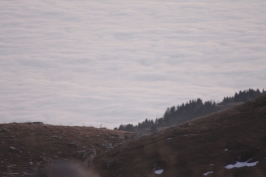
158 172
205 174
241 164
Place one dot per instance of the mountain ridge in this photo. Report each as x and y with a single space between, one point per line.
190 110
201 147
232 136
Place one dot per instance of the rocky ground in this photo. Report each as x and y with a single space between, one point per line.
26 147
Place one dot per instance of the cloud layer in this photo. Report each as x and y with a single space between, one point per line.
112 62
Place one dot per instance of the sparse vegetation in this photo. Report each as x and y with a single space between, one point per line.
203 146
28 146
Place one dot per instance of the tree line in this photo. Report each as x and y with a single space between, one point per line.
188 111
243 96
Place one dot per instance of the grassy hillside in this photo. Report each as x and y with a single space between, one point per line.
24 148
206 146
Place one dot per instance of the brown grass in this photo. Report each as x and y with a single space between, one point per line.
24 148
190 149
196 147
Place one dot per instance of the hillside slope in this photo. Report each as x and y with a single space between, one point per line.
214 145
26 147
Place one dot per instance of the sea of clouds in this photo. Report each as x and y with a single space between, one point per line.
93 62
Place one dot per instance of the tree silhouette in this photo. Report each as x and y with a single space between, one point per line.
190 110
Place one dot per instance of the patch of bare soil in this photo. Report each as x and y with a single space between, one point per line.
229 143
27 147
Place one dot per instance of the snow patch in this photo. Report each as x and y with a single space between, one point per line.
205 174
241 164
158 172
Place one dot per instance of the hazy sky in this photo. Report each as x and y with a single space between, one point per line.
112 61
